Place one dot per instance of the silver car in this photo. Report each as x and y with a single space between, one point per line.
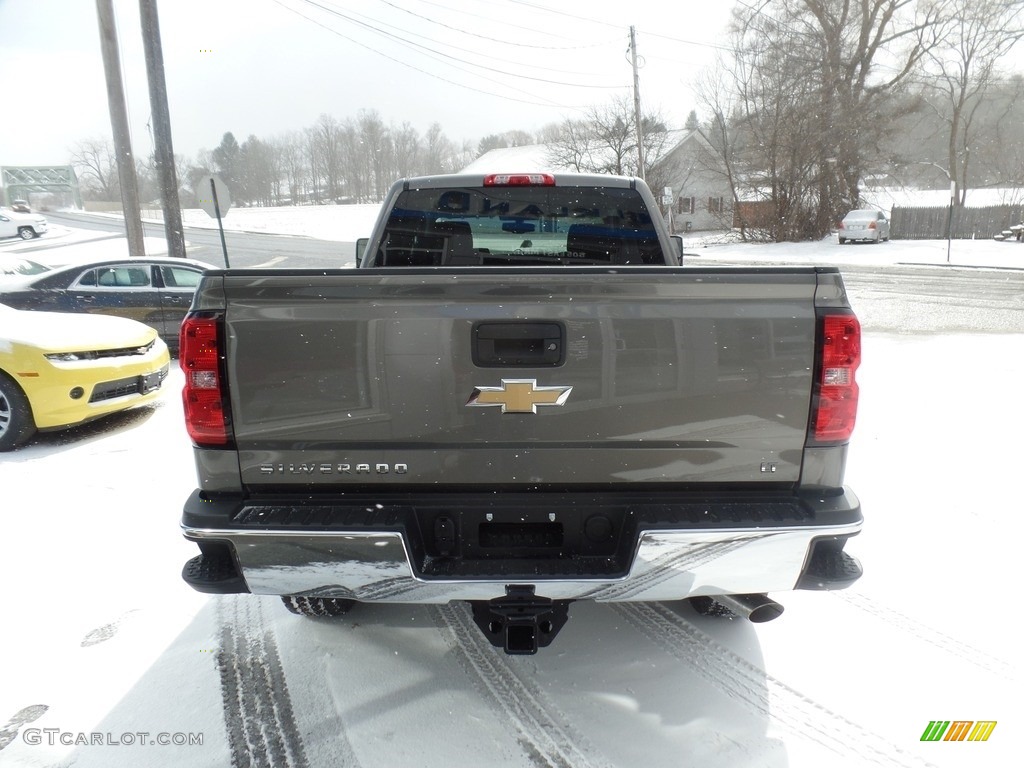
864 224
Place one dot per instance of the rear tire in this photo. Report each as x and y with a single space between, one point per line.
317 606
16 423
842 240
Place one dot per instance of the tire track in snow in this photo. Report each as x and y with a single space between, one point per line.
258 712
944 642
9 731
753 687
538 725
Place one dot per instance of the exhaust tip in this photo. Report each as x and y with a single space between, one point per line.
767 612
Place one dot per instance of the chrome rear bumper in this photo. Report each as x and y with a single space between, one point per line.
667 565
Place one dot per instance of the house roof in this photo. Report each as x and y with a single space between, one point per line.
536 157
529 157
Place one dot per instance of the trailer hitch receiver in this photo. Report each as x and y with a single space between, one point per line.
521 622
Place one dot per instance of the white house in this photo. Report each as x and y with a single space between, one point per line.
688 177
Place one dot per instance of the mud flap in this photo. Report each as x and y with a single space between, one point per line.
521 622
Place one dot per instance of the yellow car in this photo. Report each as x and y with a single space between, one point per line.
58 370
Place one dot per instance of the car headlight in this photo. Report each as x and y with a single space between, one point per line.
73 357
68 357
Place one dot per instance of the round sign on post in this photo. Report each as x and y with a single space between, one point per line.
213 194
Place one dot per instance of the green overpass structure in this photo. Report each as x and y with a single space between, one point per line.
58 183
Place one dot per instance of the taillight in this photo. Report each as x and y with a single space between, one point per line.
872 225
836 391
519 180
202 396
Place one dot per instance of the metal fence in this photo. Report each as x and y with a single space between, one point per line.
965 224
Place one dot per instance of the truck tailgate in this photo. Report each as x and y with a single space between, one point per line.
519 377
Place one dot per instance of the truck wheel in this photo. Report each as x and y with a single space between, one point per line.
26 233
317 606
16 424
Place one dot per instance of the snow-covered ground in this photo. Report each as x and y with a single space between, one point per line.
347 223
102 641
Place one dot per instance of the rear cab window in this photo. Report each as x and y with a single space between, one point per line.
519 226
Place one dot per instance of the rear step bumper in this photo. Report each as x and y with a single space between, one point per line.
357 563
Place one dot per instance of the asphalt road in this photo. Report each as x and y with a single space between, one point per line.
927 299
896 298
245 249
914 299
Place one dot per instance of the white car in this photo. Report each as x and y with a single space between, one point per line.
23 225
864 224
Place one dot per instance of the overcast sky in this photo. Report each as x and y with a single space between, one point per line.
264 67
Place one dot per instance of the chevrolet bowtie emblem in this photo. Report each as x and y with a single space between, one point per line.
519 396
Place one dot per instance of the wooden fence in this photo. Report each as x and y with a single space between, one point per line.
967 223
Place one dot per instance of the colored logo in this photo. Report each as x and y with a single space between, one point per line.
519 396
958 730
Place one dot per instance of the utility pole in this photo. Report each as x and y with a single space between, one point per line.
164 150
119 126
636 103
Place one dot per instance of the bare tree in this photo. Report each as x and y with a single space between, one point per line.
976 34
181 168
1002 157
96 167
406 146
814 101
725 137
292 161
312 162
355 162
461 156
325 137
605 141
375 141
438 151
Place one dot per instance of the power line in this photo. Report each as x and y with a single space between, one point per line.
533 30
713 46
504 41
566 14
547 102
409 42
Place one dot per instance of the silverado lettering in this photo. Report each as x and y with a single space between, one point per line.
333 469
700 456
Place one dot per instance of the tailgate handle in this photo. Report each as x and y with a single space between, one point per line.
518 344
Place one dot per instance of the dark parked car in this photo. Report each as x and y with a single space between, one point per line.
156 291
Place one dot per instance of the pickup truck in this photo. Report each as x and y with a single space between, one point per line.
521 398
